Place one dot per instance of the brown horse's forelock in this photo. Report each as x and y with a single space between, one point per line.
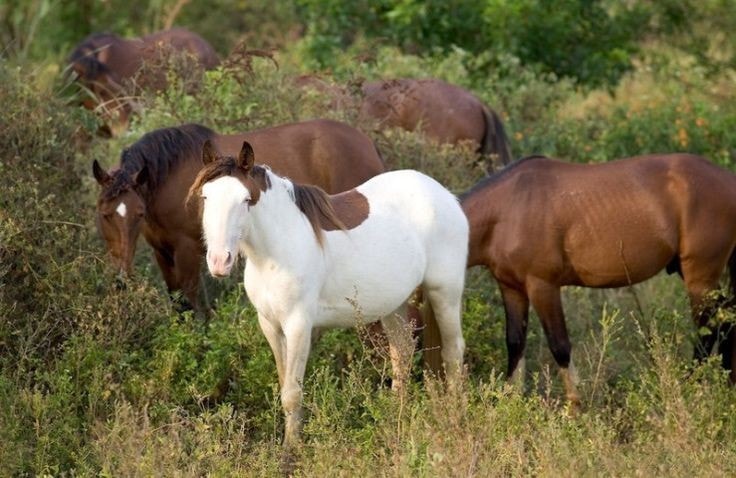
159 151
316 205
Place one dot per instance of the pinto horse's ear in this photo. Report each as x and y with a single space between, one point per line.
246 158
99 173
208 152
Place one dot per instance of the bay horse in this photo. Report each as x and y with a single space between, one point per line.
104 63
146 193
444 112
316 260
541 224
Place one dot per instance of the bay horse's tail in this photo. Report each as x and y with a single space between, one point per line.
431 339
728 347
494 139
380 156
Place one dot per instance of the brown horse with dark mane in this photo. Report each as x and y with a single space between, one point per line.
147 192
541 224
445 113
105 62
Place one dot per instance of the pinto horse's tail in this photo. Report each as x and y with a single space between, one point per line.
494 139
432 341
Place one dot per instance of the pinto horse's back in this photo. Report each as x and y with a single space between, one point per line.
432 210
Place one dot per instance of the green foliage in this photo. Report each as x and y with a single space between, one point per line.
591 44
100 380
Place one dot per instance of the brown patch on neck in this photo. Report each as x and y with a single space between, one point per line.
350 207
342 211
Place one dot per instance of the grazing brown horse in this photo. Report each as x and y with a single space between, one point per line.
541 224
147 192
104 62
444 112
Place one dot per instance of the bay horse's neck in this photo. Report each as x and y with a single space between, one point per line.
482 212
279 232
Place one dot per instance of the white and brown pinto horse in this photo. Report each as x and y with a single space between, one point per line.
316 260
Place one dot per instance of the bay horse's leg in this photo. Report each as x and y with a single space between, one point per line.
545 298
701 278
400 345
516 305
275 338
297 337
165 261
187 263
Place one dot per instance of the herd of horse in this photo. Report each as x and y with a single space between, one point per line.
344 240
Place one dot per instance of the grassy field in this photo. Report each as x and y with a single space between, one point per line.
100 381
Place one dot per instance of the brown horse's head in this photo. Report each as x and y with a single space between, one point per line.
120 212
92 66
89 61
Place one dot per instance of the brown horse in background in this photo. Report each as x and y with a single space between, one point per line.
445 113
541 224
105 64
147 192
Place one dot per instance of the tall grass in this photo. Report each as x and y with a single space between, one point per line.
95 380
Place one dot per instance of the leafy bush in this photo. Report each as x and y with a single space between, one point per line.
97 380
592 45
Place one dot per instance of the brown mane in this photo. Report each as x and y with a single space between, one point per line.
226 166
497 176
85 54
158 152
316 205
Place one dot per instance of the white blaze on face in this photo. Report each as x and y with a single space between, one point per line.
223 219
121 209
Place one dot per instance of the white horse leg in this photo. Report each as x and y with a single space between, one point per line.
400 346
446 303
275 338
297 334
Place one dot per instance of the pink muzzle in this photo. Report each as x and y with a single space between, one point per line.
220 263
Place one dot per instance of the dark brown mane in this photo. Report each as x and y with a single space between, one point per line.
495 177
158 152
316 205
85 54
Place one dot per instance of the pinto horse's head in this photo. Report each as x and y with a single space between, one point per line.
120 213
227 187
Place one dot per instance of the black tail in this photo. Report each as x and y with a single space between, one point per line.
728 346
380 156
494 139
